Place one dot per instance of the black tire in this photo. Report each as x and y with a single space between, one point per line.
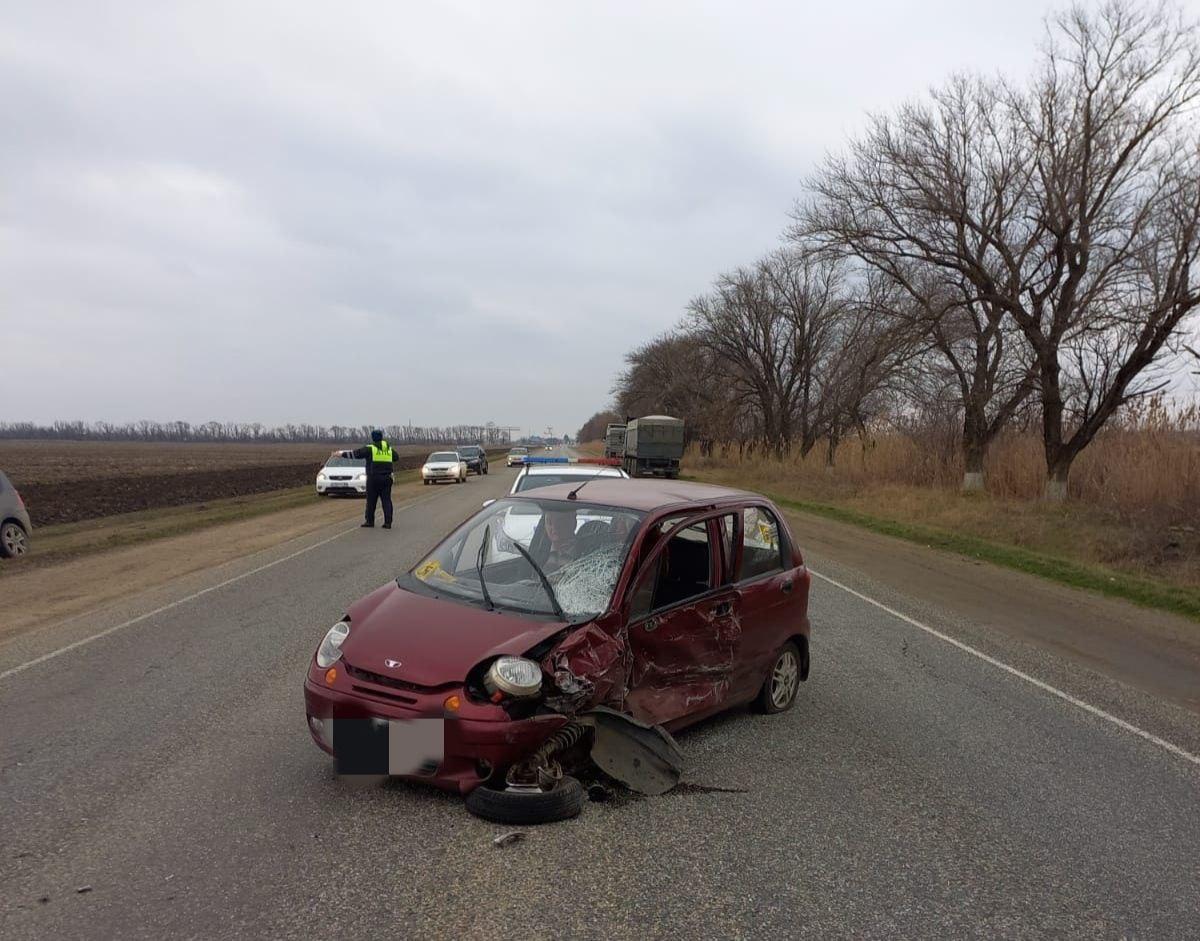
425 481
767 701
485 469
14 541
524 808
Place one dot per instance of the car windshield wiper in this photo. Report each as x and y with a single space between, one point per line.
479 559
558 611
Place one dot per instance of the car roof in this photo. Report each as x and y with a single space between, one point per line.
647 494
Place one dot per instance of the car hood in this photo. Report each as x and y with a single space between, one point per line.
442 465
433 641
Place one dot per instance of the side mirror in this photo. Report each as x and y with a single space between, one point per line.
487 503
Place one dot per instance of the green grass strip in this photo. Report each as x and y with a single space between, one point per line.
1149 593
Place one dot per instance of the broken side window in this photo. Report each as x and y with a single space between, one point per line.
682 570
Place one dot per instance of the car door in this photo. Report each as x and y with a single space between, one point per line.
765 582
682 626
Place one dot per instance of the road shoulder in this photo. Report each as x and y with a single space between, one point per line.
1154 652
49 594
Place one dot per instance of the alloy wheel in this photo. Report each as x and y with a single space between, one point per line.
784 679
12 538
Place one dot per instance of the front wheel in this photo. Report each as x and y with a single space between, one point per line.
778 693
523 807
13 540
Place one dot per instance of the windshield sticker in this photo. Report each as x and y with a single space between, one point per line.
431 568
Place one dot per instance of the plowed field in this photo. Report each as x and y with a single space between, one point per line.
68 481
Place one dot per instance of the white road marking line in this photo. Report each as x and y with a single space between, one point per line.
83 642
1020 674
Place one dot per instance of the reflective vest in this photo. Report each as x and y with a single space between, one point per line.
381 454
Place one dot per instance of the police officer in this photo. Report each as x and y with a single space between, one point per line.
380 457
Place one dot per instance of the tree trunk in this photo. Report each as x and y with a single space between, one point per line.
1058 456
973 455
1058 473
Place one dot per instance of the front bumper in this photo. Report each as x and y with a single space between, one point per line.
439 475
358 487
479 740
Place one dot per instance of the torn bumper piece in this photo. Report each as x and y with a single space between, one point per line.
645 758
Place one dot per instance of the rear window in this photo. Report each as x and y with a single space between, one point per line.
537 481
762 548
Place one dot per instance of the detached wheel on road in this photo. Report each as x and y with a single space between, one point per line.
13 540
778 693
524 807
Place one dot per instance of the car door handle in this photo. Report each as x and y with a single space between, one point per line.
722 608
787 587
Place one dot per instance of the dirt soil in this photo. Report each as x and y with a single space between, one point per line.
56 592
66 481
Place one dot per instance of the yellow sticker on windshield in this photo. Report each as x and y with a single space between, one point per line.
766 532
429 568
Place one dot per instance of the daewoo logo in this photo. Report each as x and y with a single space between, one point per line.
392 663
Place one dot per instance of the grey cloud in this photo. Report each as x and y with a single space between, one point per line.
224 210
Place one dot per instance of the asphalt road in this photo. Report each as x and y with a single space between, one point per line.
916 790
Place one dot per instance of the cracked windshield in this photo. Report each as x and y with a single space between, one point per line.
579 549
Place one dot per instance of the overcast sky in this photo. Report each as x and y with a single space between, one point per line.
436 212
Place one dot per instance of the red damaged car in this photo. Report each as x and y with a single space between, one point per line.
575 627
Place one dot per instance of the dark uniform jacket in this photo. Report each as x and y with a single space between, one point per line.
375 469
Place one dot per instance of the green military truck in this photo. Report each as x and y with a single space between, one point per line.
614 440
653 446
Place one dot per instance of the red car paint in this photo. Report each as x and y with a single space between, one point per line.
672 666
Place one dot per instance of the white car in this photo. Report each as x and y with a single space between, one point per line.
516 457
444 465
519 522
342 475
533 476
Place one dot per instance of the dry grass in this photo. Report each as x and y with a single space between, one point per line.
1134 496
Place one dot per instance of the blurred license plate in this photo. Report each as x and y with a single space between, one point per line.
389 746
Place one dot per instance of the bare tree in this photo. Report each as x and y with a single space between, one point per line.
1118 207
768 326
922 197
1068 211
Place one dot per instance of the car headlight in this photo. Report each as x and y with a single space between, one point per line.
330 651
514 676
321 475
362 476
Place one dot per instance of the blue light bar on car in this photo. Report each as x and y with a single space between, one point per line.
602 461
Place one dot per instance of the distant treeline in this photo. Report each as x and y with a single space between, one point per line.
249 432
